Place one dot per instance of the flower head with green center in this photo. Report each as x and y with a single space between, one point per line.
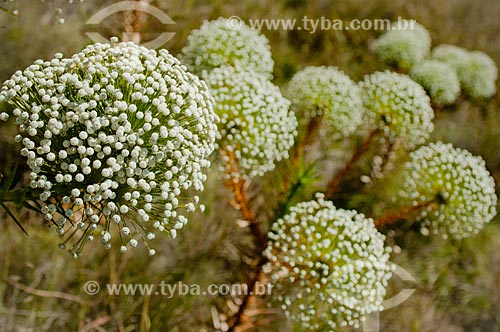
256 123
458 188
406 44
329 266
476 71
327 91
438 79
115 136
217 43
399 106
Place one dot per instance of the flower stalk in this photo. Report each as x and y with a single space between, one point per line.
403 213
334 184
238 187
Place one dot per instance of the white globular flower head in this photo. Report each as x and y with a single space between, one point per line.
404 45
256 123
476 71
458 188
329 266
439 79
116 137
451 54
478 75
399 106
217 43
328 93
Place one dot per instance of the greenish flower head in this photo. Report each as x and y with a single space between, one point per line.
329 93
458 187
256 123
398 106
406 44
217 43
329 266
476 71
439 80
453 55
478 75
117 137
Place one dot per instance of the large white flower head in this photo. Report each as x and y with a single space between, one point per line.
399 106
329 266
256 123
328 92
476 71
439 80
457 187
115 136
406 44
219 43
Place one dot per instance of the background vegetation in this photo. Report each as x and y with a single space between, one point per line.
457 281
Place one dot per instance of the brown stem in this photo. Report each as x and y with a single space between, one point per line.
312 126
337 180
241 318
238 187
132 21
403 213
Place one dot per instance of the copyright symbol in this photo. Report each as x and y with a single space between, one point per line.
234 23
91 287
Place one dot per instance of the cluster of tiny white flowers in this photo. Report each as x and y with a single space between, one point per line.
459 185
216 43
451 54
403 46
328 92
478 75
399 106
114 136
476 71
255 121
439 80
330 266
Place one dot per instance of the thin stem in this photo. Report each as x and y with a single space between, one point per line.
291 188
132 22
285 204
334 184
308 138
403 213
240 316
238 187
